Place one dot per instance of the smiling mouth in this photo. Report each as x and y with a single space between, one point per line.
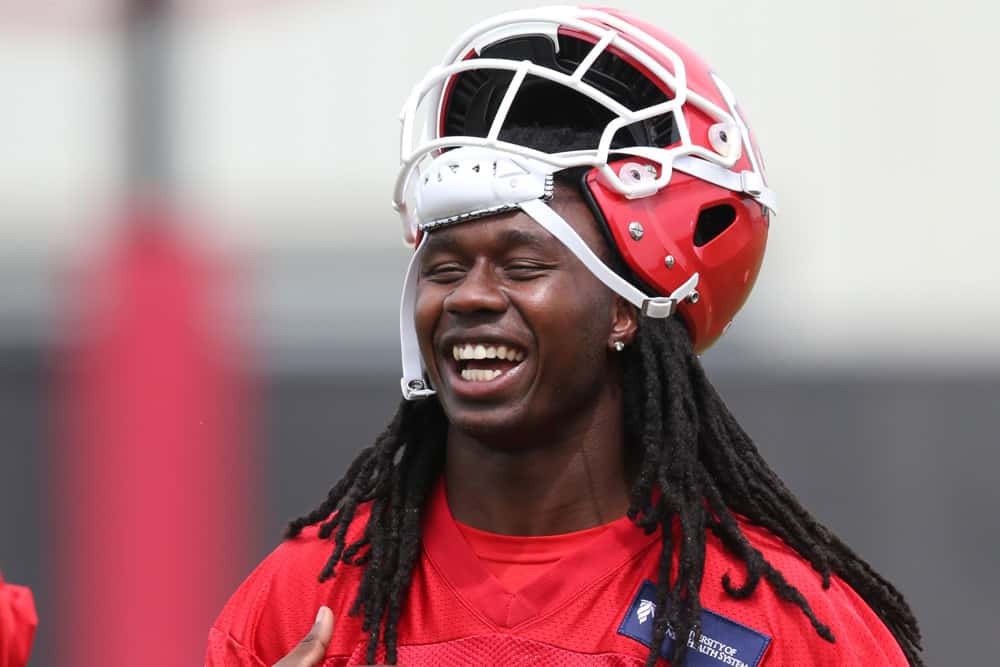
482 362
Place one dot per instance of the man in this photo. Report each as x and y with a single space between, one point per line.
562 484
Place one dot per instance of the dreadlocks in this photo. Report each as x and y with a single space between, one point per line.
694 468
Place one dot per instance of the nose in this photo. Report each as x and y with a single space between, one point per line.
478 292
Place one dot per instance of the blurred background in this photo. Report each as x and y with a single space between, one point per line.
199 274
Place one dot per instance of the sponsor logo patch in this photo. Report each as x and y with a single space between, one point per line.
723 641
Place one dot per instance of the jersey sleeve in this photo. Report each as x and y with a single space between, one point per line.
233 635
225 651
276 606
861 639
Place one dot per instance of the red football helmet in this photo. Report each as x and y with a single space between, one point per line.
671 168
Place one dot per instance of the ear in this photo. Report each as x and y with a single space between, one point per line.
624 322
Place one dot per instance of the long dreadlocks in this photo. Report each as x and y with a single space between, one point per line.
695 466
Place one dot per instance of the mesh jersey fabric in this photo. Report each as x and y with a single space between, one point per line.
516 561
457 613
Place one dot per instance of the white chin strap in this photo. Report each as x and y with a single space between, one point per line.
655 306
414 382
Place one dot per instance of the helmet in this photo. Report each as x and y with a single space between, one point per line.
669 166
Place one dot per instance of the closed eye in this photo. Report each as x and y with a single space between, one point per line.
443 273
527 270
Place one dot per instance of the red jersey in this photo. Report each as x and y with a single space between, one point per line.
517 561
593 607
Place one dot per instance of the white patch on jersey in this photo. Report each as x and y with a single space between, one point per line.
647 608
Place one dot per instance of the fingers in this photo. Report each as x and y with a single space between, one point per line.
310 651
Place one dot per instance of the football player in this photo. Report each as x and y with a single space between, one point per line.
561 484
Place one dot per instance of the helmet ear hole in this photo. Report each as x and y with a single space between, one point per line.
712 221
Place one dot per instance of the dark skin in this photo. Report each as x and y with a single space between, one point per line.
539 450
542 453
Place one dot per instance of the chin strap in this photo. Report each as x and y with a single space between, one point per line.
748 182
655 306
414 382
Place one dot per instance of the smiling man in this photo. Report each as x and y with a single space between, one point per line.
561 484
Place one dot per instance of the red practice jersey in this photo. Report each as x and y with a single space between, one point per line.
594 608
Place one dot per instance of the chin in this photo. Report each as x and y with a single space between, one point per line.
499 427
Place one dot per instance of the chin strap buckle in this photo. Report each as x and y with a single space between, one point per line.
659 306
414 389
665 306
752 183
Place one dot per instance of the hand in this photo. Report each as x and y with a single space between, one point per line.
310 651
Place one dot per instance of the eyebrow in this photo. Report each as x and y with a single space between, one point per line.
510 238
507 239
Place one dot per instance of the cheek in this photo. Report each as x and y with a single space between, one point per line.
572 326
427 311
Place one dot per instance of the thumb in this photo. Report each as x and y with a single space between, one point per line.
310 651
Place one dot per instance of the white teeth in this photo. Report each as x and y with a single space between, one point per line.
483 351
476 375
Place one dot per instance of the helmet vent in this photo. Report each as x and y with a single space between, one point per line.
712 221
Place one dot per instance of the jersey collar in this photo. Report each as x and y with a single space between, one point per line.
450 555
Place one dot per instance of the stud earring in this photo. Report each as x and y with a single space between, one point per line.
619 346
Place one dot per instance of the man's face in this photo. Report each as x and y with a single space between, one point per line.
513 328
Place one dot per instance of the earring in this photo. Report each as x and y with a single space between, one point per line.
619 346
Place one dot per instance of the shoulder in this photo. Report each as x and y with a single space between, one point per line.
277 603
861 638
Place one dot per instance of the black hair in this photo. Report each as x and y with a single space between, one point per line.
695 468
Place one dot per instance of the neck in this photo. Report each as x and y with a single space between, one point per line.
540 484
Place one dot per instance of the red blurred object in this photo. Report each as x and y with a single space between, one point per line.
155 466
18 621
